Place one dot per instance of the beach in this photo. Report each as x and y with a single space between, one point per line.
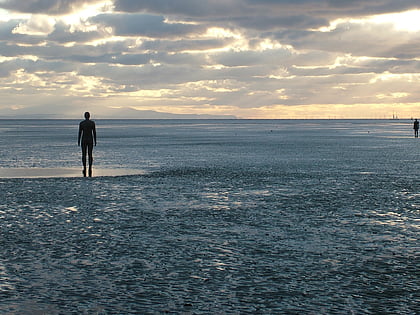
211 216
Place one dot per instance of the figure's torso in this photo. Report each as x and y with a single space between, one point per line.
87 127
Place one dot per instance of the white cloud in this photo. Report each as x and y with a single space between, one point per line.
35 25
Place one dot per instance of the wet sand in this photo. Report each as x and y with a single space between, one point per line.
236 217
62 172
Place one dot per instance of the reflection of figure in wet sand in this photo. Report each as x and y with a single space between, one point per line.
416 128
87 133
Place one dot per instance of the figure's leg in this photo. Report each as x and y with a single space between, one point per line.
84 149
90 153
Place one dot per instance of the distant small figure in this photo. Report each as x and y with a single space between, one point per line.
87 133
416 128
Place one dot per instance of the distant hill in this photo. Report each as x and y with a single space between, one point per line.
115 113
130 113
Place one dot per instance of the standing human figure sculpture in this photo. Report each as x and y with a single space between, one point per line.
87 138
416 128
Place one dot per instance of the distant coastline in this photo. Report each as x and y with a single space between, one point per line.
123 113
130 113
193 117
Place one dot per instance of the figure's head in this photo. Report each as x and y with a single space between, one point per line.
87 115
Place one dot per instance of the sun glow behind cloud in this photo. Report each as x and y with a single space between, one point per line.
406 21
87 11
403 21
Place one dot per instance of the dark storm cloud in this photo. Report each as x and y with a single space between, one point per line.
145 25
44 6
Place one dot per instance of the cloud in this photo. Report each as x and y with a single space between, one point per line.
331 9
264 23
190 8
235 56
145 25
186 44
35 25
360 39
63 33
53 7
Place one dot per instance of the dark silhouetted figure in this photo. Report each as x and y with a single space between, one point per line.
87 135
416 128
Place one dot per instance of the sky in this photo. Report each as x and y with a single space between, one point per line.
281 59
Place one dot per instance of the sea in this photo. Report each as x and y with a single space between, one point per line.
211 217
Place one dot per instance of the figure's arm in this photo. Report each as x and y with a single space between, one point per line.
80 134
94 133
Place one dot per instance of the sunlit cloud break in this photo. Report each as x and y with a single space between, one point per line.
243 58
